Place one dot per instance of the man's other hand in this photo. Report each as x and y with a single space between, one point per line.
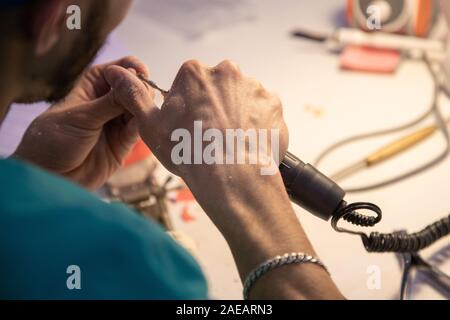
221 98
86 136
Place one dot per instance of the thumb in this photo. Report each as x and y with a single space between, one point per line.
99 111
131 93
128 93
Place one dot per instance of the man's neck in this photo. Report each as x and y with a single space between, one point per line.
8 93
10 80
3 113
5 103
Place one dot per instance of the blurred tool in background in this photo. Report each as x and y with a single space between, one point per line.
382 31
339 39
388 151
385 32
411 17
431 274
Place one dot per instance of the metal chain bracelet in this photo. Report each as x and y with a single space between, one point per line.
277 262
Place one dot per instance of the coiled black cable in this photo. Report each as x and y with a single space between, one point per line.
399 242
349 213
387 242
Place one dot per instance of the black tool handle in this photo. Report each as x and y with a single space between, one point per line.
309 188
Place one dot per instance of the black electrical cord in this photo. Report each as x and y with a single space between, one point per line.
440 122
322 197
388 242
396 242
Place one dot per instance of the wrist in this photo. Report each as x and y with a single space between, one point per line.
252 212
256 218
235 192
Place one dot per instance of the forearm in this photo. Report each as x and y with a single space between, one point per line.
258 222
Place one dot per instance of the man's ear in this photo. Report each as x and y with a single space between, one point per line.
48 25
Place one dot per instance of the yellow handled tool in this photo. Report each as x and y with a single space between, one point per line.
387 152
400 145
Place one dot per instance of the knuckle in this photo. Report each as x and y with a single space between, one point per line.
191 70
255 84
131 58
191 66
192 77
229 67
259 89
135 63
275 106
131 61
262 93
276 101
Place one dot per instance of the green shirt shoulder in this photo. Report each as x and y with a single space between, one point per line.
58 241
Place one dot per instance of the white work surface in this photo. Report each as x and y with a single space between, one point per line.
255 34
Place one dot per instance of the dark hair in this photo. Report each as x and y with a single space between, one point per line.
15 21
16 26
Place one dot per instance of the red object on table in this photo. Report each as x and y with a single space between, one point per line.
185 195
368 59
140 152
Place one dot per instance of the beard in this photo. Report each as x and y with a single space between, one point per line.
81 55
58 84
62 83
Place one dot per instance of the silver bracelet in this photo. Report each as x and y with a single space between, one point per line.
278 261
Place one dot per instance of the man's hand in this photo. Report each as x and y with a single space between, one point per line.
221 97
86 136
252 211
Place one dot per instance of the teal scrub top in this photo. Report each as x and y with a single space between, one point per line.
58 241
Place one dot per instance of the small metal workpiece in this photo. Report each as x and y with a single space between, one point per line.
153 85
